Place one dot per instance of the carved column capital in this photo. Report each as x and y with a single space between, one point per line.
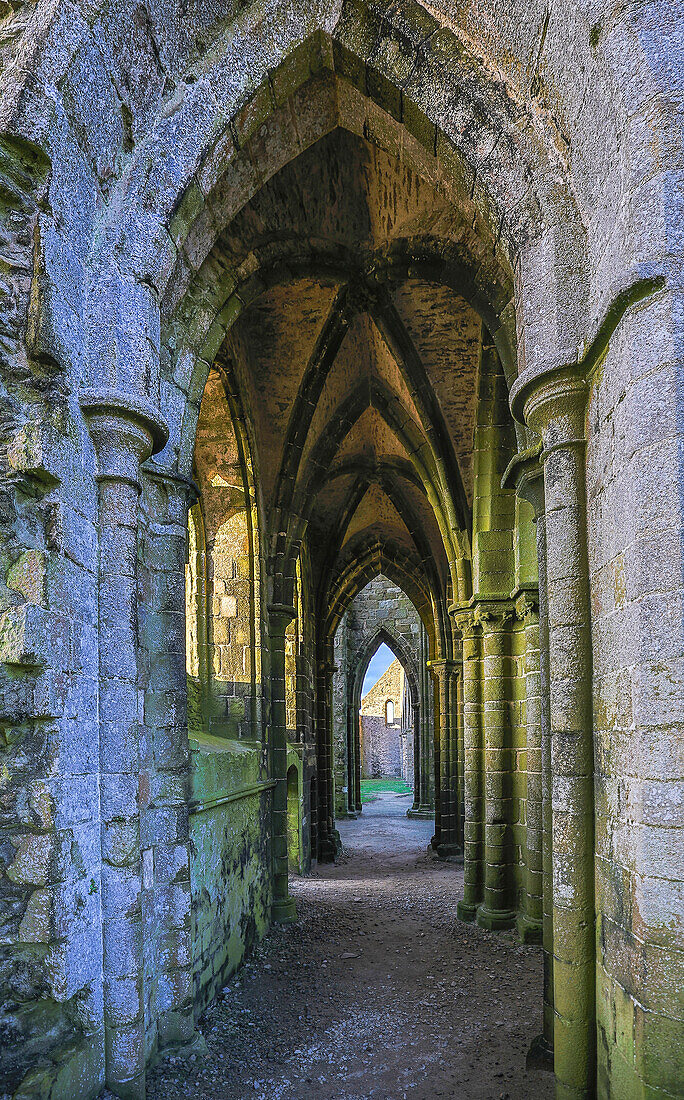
464 620
524 472
326 668
125 432
280 615
185 487
439 663
527 605
553 406
494 615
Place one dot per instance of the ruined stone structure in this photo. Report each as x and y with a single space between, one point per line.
381 722
381 612
296 294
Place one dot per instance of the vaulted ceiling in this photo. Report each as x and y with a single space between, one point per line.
357 375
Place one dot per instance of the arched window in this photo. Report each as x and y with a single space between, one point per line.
389 712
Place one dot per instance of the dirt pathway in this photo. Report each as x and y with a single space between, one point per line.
377 991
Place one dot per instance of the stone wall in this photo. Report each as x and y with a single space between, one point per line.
381 742
145 149
381 612
635 563
231 886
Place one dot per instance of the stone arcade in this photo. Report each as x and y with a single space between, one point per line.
296 295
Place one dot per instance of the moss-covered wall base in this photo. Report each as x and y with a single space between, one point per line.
230 822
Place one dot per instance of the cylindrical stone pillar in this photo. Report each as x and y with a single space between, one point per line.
450 844
498 910
327 846
416 756
351 794
279 616
545 1047
473 767
554 407
530 920
165 825
460 767
526 470
357 761
427 801
124 434
436 756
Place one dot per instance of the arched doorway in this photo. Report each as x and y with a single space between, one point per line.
371 233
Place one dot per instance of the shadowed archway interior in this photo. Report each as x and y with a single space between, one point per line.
325 324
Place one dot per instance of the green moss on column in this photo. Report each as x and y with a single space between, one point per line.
473 774
450 845
498 909
283 904
530 920
554 408
526 473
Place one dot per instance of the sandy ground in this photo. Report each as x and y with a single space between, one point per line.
376 992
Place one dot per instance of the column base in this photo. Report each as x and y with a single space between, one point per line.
128 1090
420 811
466 911
284 910
450 853
529 931
330 848
177 1029
434 843
495 920
327 852
540 1055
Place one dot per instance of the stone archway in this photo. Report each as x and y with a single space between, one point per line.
365 625
127 269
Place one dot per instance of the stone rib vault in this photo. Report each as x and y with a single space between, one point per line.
297 296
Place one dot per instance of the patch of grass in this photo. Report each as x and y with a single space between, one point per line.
370 788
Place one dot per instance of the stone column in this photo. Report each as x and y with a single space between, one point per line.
554 407
525 470
124 433
436 756
499 908
450 844
357 761
351 794
530 921
544 1049
473 767
427 800
166 762
327 847
415 717
279 616
460 750
422 795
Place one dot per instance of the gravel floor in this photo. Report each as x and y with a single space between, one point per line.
376 992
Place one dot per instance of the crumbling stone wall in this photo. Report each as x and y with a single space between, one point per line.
381 612
381 747
229 868
133 135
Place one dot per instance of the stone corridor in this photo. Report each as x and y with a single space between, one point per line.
376 992
327 324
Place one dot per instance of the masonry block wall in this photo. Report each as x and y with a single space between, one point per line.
404 247
381 741
382 612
